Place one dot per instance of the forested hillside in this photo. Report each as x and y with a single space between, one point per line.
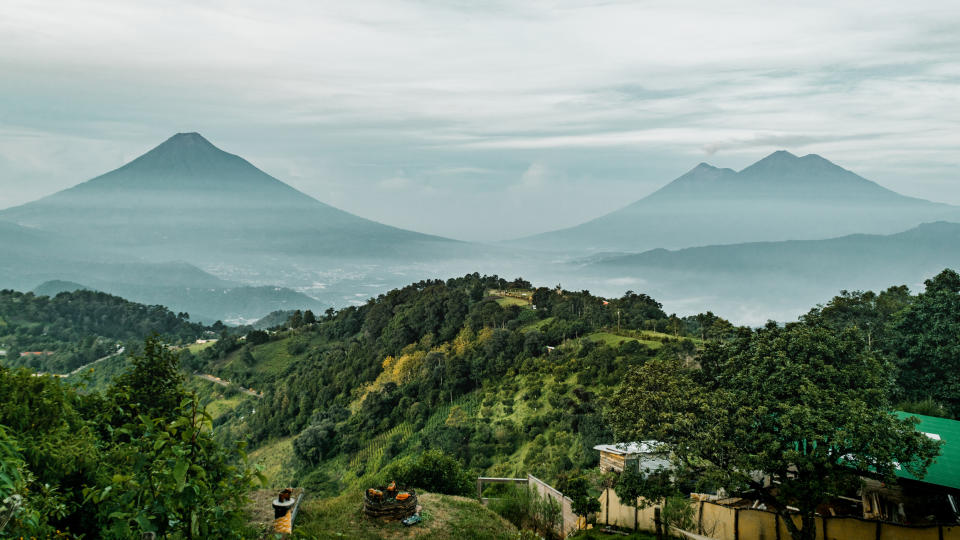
58 334
441 381
507 378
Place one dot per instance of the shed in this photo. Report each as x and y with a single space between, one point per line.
641 455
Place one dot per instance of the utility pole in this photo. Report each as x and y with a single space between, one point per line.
618 321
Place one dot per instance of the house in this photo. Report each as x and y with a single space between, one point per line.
643 455
935 497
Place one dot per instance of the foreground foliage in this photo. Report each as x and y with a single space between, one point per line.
114 467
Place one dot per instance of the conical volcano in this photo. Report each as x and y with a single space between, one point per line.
186 196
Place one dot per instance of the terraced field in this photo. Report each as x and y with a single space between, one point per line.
370 455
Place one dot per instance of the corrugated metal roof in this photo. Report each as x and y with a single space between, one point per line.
643 447
945 470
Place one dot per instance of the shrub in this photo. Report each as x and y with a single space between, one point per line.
433 471
526 509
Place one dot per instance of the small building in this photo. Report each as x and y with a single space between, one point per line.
931 499
644 455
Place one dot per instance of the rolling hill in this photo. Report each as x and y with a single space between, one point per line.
780 197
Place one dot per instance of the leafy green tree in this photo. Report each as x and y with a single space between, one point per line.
926 346
247 357
642 489
807 407
870 312
56 445
257 337
154 385
172 478
23 514
578 489
313 443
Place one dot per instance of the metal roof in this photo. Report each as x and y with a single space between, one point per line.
622 449
945 470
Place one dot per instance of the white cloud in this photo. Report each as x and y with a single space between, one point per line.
335 97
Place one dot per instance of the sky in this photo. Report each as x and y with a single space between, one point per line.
481 120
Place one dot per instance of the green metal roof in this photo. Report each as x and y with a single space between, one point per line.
945 470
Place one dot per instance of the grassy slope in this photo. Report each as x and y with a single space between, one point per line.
445 517
506 301
276 458
197 347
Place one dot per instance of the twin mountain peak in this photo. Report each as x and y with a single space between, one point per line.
187 188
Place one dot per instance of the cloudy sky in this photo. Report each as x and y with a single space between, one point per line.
481 120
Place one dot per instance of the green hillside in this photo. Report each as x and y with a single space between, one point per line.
445 365
430 385
61 333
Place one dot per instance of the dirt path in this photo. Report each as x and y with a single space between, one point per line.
120 351
217 380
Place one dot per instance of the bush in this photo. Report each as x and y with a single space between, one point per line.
526 509
319 484
433 471
517 506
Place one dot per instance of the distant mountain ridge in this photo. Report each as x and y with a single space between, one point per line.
780 197
779 278
50 263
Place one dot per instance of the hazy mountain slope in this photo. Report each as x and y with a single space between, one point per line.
57 286
755 281
189 200
781 197
33 258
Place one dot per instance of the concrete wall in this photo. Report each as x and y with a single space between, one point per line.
569 521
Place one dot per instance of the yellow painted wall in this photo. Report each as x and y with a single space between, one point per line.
718 522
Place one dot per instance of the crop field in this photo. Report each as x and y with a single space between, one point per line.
197 347
537 325
369 457
506 301
613 340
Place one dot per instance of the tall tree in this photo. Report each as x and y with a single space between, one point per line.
806 406
925 343
154 386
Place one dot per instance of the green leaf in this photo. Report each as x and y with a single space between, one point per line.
180 473
145 524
